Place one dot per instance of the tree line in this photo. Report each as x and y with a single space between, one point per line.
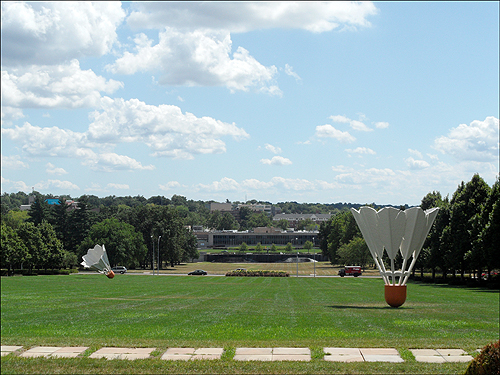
464 238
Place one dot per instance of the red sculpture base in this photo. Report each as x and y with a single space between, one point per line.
110 274
395 295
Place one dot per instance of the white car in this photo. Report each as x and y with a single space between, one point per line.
119 269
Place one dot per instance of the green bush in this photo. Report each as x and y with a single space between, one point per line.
487 362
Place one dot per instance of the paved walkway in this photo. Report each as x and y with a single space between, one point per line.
247 354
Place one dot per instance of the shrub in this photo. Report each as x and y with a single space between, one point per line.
487 362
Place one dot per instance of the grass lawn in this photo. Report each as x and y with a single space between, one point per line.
177 311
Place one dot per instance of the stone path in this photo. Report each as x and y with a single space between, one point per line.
441 355
247 354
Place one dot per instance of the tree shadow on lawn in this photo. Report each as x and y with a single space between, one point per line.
474 288
368 307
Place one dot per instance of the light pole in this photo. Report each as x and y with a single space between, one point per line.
158 257
314 252
153 256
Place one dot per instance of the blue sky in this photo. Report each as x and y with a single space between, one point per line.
280 101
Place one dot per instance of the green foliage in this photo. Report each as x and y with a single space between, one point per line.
487 362
124 245
13 251
283 224
355 253
243 247
274 248
259 247
308 245
337 231
289 247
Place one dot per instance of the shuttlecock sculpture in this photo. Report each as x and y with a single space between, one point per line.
395 230
97 258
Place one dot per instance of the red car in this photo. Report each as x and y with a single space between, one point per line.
350 271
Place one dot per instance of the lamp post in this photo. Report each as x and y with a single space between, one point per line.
158 257
153 255
314 252
296 240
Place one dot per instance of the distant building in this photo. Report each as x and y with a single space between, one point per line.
295 219
266 237
72 205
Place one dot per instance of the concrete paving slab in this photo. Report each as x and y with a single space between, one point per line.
424 352
447 352
382 358
72 349
378 351
197 357
43 349
291 357
430 358
253 357
342 351
458 358
254 351
64 355
209 351
176 357
122 353
344 358
291 351
8 349
180 351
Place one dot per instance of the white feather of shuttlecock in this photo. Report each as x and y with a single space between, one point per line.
395 230
97 258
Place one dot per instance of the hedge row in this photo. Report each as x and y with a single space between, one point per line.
257 273
4 272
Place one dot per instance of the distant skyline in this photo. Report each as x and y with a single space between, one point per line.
315 102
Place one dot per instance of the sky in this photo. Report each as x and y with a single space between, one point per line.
315 102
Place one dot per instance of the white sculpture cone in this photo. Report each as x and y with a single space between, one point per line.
97 258
394 230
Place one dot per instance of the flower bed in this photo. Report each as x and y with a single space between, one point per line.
257 273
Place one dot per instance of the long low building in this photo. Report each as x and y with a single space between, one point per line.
266 237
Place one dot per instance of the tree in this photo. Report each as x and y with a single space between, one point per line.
32 239
355 252
283 224
13 252
259 220
243 247
54 247
274 248
124 245
466 203
308 246
289 247
39 210
259 247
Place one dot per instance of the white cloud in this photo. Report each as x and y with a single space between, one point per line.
10 114
118 186
358 125
164 128
247 16
340 118
170 185
8 185
381 125
197 58
225 184
355 124
276 160
110 162
361 150
273 149
475 142
13 162
50 184
52 169
289 71
416 164
54 86
53 32
328 131
416 153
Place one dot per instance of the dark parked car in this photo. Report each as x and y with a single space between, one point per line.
198 272
119 269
